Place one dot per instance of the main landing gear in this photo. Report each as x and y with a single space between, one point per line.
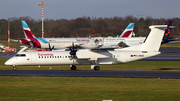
96 67
73 67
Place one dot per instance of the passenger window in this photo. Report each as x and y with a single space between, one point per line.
57 56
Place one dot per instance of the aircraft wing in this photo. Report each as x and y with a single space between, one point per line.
2 46
75 46
14 40
91 55
102 49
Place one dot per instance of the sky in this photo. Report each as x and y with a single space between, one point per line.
72 9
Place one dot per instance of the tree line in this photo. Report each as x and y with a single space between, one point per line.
83 26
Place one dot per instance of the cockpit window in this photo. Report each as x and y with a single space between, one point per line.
20 55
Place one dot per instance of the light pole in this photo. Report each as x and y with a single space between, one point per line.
8 34
42 18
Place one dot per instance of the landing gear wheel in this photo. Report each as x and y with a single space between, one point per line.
96 67
73 67
14 68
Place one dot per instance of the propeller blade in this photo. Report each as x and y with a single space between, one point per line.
50 47
73 51
73 45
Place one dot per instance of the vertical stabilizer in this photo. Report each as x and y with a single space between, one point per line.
27 31
128 31
154 38
168 30
153 41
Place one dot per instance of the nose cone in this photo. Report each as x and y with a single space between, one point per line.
9 62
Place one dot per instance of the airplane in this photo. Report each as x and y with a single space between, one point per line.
94 58
7 49
103 43
57 43
167 37
121 42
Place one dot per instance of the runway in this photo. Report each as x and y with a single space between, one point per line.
167 54
92 73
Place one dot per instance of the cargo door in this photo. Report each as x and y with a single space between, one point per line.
33 58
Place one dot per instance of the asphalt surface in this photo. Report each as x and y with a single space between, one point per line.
168 54
92 73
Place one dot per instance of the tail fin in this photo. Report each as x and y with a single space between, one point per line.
128 31
168 30
154 38
153 41
27 31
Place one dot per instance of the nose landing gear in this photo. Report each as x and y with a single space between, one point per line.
14 68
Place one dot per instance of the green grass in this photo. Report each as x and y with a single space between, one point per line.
12 44
87 89
171 45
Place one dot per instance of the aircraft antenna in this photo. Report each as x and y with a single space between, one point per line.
42 18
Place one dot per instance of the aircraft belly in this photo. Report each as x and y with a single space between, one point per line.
105 61
90 62
82 61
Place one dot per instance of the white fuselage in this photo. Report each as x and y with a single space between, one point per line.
112 42
85 56
67 42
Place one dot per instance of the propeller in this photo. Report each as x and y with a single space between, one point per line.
50 47
73 51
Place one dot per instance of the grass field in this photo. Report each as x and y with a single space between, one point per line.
88 89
